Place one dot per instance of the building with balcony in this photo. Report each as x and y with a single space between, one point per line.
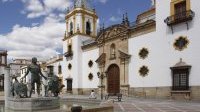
155 56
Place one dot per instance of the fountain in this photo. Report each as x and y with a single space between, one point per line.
16 97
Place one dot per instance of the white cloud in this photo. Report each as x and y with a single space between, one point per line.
41 41
103 1
59 5
37 8
114 19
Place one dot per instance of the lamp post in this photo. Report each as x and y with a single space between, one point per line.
101 76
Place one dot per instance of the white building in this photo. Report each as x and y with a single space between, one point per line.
54 66
3 65
155 56
18 67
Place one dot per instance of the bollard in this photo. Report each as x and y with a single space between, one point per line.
76 109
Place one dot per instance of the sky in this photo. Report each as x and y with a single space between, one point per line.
35 28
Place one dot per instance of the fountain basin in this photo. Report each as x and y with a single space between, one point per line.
29 104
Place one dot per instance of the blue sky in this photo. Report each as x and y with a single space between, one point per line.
35 27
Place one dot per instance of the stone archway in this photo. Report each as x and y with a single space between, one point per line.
113 79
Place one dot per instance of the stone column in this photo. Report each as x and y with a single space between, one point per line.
45 83
7 85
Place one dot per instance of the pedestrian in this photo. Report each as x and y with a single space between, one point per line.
92 95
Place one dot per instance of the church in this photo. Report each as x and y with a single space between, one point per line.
154 57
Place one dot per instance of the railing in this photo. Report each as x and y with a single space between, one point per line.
142 21
180 17
68 54
87 42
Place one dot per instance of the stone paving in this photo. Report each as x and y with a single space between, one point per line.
129 104
152 105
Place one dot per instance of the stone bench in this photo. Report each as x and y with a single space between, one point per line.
186 93
117 96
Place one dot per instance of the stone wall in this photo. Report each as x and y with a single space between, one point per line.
163 92
150 92
195 92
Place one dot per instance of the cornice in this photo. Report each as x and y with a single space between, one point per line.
78 33
83 11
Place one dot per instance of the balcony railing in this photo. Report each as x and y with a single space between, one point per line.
180 17
143 21
68 54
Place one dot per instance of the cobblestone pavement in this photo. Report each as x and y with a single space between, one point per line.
129 104
147 105
153 105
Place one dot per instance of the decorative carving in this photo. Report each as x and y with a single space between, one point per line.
90 76
112 51
144 71
181 43
90 63
143 53
101 59
112 32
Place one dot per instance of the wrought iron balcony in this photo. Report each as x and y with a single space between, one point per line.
179 18
68 54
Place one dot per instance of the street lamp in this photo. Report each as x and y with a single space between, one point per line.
101 76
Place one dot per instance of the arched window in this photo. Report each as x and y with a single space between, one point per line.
59 69
88 27
71 28
69 48
112 51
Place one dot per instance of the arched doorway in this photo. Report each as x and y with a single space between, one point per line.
113 80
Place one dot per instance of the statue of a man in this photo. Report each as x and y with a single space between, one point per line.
35 70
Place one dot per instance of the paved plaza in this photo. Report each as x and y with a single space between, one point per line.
138 105
130 104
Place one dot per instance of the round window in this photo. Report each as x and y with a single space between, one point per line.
181 43
143 53
144 71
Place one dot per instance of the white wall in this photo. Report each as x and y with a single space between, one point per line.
162 54
86 57
76 62
159 74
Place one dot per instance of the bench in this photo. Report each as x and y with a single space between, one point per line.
115 95
186 93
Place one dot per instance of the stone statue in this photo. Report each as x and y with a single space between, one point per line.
35 71
55 86
19 89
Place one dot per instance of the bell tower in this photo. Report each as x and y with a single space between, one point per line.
81 25
81 19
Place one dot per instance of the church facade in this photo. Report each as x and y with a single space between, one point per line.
156 56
